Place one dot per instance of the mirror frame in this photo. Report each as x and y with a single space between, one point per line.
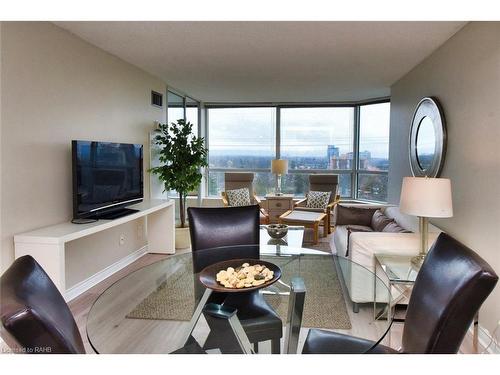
428 107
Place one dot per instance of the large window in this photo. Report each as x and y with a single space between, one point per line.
373 159
351 141
183 107
175 107
317 139
243 139
192 113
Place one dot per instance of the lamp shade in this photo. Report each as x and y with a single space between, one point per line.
279 166
426 197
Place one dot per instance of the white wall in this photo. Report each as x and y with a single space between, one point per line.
464 74
1 127
55 88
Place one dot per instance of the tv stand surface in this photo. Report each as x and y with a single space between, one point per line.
116 214
47 245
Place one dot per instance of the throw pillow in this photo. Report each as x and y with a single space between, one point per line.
354 215
238 197
379 221
395 228
318 199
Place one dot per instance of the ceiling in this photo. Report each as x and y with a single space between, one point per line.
271 61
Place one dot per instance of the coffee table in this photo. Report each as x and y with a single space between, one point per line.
293 238
307 219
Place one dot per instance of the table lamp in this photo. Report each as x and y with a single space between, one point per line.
279 167
425 197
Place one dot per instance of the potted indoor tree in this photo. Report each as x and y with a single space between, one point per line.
181 155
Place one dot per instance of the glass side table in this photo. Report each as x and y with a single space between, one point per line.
401 274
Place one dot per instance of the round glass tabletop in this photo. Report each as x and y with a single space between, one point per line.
157 308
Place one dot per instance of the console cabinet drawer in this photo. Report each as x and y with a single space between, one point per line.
280 204
274 215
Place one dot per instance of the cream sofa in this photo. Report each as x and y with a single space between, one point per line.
363 245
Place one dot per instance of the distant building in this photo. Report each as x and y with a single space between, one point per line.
364 159
332 151
333 154
344 161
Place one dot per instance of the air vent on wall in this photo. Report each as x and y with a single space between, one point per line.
156 99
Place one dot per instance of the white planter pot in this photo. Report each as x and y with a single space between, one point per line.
182 239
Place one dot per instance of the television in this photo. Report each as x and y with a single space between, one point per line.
107 177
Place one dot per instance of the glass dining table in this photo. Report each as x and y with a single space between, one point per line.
159 308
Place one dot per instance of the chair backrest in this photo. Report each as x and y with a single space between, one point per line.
239 180
324 182
34 315
215 227
450 287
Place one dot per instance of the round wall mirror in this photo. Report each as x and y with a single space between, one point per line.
427 139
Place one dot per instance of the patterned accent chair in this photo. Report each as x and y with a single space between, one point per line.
239 180
322 182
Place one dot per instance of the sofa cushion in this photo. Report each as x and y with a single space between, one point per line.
393 227
359 228
352 229
299 208
340 240
354 216
379 221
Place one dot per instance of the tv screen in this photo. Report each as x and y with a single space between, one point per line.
106 176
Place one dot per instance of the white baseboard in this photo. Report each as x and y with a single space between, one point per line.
95 279
484 339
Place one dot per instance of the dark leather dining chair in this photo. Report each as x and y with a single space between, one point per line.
226 227
451 286
35 318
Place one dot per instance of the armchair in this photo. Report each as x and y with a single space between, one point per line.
322 182
239 180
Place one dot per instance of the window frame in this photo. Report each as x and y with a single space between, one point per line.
185 99
354 172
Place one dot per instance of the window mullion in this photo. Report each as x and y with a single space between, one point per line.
278 132
355 156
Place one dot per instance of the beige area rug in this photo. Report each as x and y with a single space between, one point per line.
322 245
324 305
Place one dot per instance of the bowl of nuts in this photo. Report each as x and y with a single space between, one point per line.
277 230
239 275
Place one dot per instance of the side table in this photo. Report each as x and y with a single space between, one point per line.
277 205
401 274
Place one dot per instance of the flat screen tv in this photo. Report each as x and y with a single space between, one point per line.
106 178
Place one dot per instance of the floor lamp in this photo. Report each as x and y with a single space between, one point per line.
425 197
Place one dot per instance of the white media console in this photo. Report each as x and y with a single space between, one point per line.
47 245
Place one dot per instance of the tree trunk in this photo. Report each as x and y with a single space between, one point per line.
182 209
